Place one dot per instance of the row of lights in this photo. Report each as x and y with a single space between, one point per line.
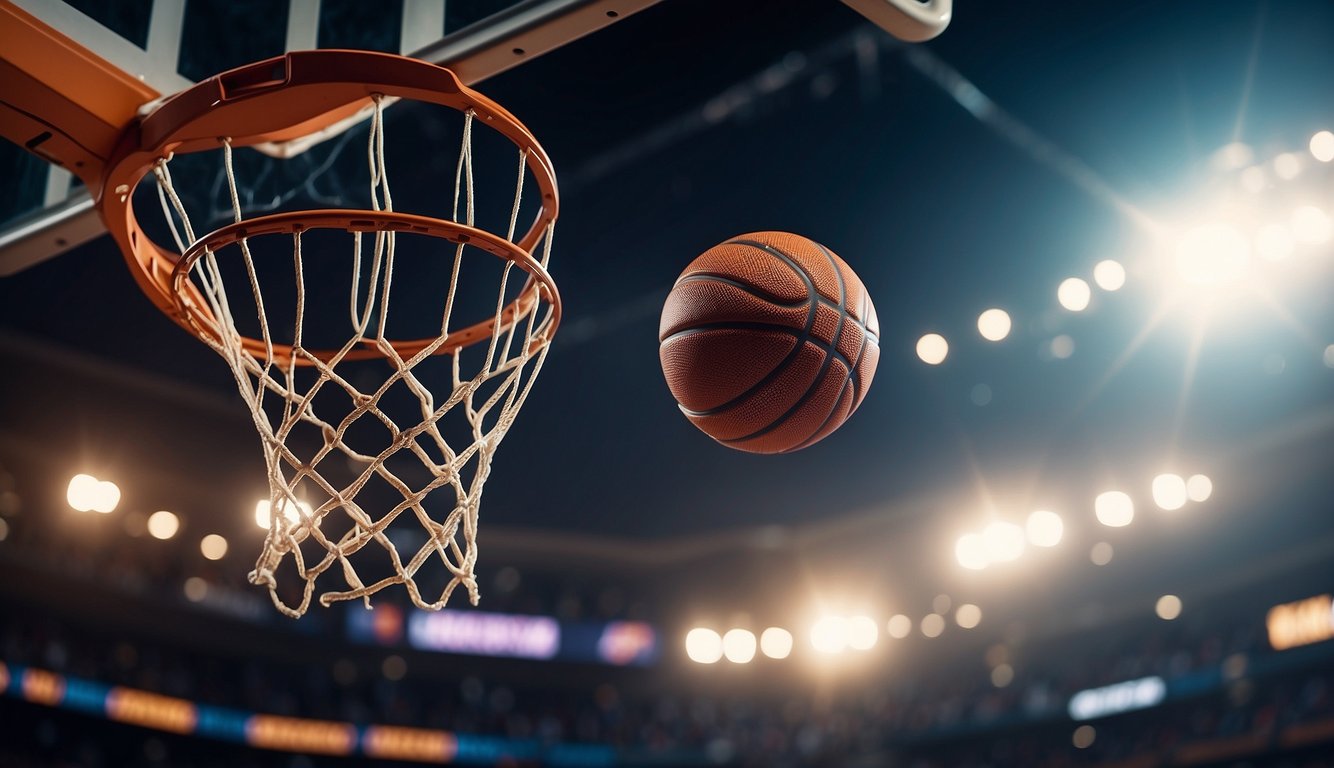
995 324
830 635
1002 541
86 493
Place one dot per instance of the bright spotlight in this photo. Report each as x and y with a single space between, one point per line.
1168 607
213 547
704 646
1311 225
1212 254
1074 294
1274 242
994 324
932 348
82 492
1199 487
1109 275
829 634
263 513
1114 509
1287 166
1045 528
933 624
739 646
163 524
1322 146
898 626
971 552
863 633
968 616
1003 541
776 643
108 496
1169 492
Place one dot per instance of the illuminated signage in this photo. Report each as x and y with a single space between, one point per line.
422 745
627 642
485 634
150 710
1120 697
294 734
1301 623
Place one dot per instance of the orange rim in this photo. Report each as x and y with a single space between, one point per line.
288 97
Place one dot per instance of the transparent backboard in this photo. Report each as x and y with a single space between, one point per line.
167 45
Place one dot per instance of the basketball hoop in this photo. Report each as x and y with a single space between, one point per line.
287 382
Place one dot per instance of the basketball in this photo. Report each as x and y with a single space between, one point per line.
768 342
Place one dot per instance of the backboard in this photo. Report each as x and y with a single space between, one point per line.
119 58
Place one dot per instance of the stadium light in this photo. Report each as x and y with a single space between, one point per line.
1212 254
1169 491
82 492
1114 509
1322 146
776 643
1003 541
863 633
829 634
1109 275
739 646
968 616
898 626
1074 294
163 524
107 497
1168 607
933 624
994 324
1199 487
971 552
704 646
213 546
1045 528
932 349
264 513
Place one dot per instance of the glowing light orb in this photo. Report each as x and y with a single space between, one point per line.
1322 146
1169 491
863 633
829 635
163 524
1074 294
994 324
898 626
1168 607
213 547
971 552
1109 275
704 646
1199 487
968 616
739 646
933 624
1003 541
932 349
1114 509
1101 554
776 643
1287 166
1045 528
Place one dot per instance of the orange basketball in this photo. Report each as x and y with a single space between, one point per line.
768 342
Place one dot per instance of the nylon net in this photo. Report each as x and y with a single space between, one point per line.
356 449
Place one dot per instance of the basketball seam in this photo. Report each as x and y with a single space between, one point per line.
819 377
730 325
802 337
743 287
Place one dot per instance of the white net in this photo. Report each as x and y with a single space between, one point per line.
370 461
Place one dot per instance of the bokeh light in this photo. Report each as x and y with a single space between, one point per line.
213 546
994 324
899 626
1211 254
933 624
1311 225
863 633
1287 166
1253 179
704 646
1062 347
163 524
776 643
1322 146
968 616
739 646
106 497
263 513
1002 675
932 349
1328 356
1044 528
1168 607
1199 487
971 552
1114 509
1109 275
1083 737
82 492
829 634
1003 541
1101 553
1169 491
1074 294
196 589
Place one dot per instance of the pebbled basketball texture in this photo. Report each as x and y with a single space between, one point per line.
768 342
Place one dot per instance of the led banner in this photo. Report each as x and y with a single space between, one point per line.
1119 697
287 734
507 635
1301 623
